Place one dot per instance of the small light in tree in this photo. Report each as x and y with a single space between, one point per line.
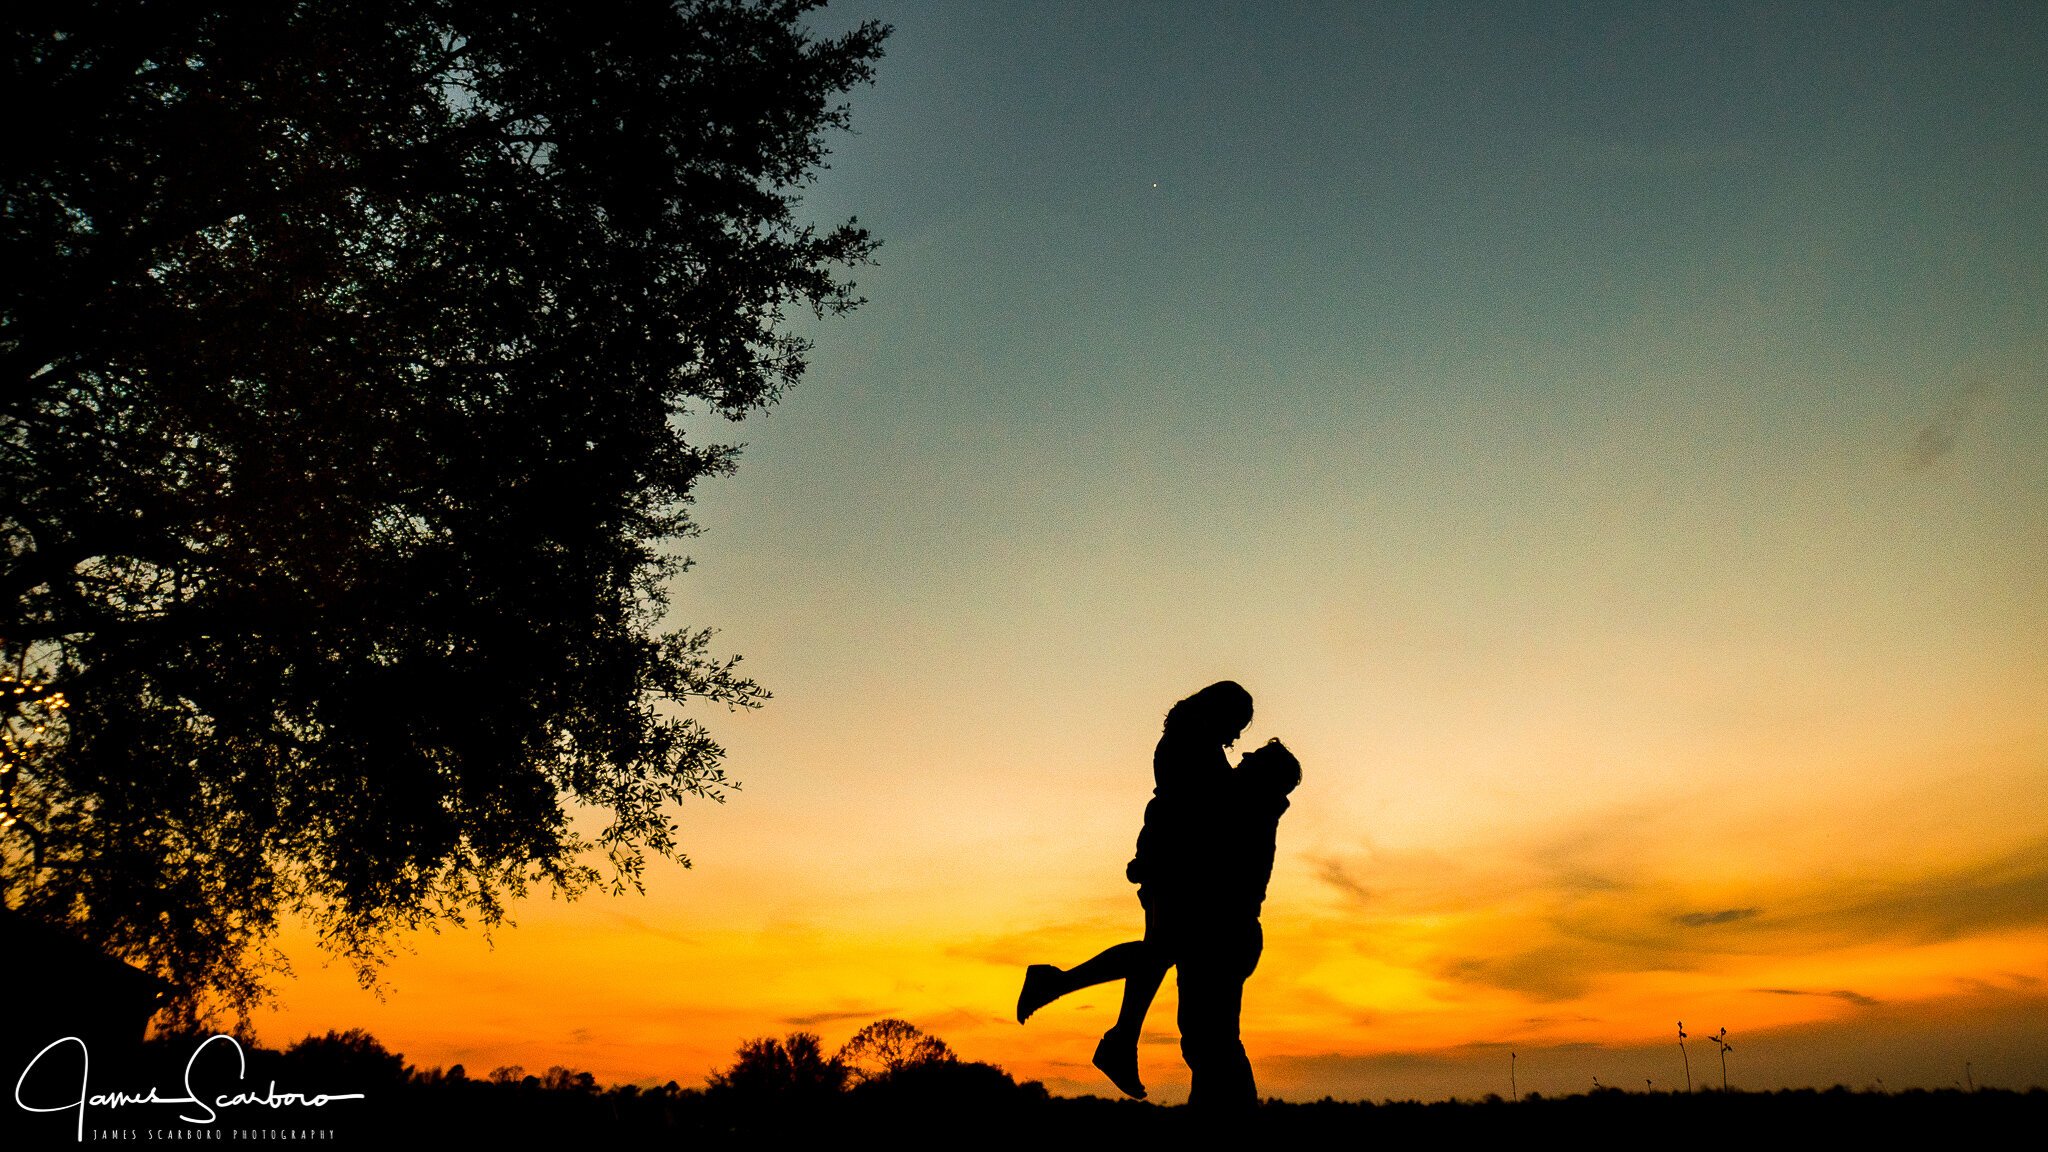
15 754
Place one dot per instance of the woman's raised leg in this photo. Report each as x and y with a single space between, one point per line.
1044 983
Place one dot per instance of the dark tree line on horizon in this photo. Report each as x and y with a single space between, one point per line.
893 1081
357 359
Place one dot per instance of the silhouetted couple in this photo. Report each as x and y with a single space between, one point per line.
1204 859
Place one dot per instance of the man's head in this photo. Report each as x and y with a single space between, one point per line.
1271 767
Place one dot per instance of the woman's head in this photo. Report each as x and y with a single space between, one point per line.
1218 712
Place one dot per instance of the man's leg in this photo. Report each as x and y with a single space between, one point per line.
1213 970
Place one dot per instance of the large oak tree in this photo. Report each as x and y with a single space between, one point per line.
346 348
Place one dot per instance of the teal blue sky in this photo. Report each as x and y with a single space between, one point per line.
1609 441
1537 323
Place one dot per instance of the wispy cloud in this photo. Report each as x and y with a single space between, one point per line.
1937 438
1727 916
1565 917
1856 998
635 924
817 1018
1074 939
1905 1043
1332 871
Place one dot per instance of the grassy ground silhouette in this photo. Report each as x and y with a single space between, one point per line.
788 1092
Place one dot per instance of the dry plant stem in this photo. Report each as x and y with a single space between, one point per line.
1684 1057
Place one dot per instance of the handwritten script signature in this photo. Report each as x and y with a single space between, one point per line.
271 1098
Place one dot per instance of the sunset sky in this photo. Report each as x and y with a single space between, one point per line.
1609 442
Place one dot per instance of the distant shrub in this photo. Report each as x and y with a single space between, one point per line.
887 1047
346 1061
793 1068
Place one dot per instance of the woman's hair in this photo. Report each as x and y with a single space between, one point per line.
1223 707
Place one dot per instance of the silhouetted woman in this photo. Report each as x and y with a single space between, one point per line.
1178 866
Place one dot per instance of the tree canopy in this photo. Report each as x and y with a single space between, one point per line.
886 1047
347 348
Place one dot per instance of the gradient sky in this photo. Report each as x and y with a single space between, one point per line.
1610 442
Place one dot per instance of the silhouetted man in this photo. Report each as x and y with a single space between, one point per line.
1220 940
